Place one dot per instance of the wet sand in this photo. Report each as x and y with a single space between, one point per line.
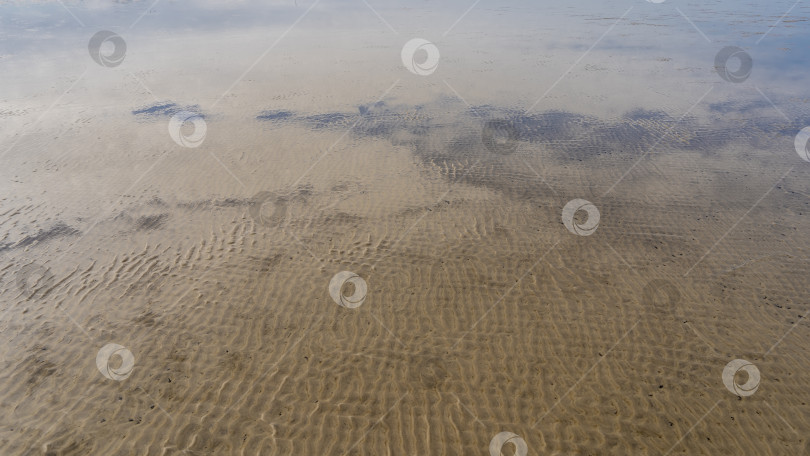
484 313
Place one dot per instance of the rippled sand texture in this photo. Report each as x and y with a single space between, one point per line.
484 313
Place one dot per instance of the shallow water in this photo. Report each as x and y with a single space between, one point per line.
560 228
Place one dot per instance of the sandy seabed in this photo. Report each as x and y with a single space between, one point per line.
482 313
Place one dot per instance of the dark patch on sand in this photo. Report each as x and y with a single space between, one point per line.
151 222
371 120
59 230
211 203
164 110
275 116
37 368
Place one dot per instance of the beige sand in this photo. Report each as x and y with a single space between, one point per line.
484 314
